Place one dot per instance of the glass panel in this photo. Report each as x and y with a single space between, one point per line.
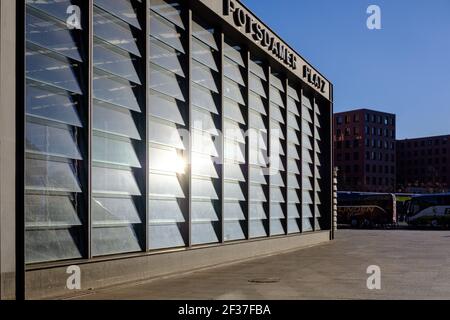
234 230
276 227
276 82
257 175
52 141
233 191
115 61
276 195
166 82
293 93
166 160
165 211
204 233
258 70
114 151
203 166
165 186
293 211
203 143
166 32
232 91
122 9
114 211
204 211
204 34
233 72
51 245
50 176
111 89
203 54
169 9
203 98
257 229
275 96
257 193
166 57
233 53
203 76
115 120
115 31
50 212
203 189
275 113
233 172
292 106
293 226
234 151
165 107
255 84
165 133
106 241
51 34
232 131
203 121
256 103
166 236
114 181
292 121
59 71
232 111
306 184
45 102
55 8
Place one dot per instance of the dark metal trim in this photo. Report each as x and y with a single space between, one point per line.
222 136
189 105
20 150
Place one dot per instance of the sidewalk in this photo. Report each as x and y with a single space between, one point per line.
414 265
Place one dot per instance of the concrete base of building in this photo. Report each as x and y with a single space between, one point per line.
52 282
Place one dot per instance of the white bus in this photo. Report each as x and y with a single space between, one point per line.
429 210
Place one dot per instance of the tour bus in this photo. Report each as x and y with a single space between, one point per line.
367 210
429 210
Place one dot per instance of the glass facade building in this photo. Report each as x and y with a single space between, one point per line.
152 126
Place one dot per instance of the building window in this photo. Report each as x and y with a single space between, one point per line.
339 120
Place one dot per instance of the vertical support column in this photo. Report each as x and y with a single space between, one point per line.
314 164
247 143
222 136
269 149
147 131
189 105
285 205
11 132
88 100
301 158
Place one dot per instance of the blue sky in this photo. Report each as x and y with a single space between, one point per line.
403 68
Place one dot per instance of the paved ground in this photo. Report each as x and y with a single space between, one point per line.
414 265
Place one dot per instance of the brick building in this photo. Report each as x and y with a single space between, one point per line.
365 151
423 164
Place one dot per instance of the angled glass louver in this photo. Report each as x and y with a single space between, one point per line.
235 224
295 180
277 155
54 221
259 170
167 114
307 165
205 152
117 79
